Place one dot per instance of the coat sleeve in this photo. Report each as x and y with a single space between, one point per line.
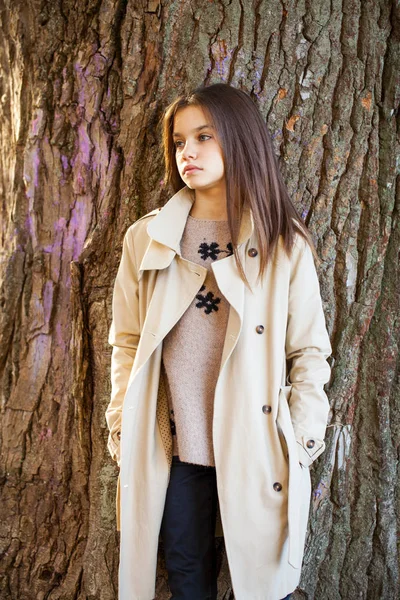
307 348
124 336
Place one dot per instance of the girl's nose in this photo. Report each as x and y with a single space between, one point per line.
189 150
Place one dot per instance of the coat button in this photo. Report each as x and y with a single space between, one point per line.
266 409
260 328
310 444
252 252
277 486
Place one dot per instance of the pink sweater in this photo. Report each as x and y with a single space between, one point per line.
192 350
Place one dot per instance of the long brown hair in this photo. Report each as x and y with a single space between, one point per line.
252 174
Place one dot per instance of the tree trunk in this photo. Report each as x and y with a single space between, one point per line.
83 87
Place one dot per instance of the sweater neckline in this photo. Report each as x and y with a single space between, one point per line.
208 220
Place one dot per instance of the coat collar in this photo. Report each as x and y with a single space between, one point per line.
166 229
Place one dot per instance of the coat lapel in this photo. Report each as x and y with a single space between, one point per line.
156 257
174 290
175 286
232 286
166 230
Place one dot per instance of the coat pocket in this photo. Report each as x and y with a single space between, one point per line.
295 497
285 426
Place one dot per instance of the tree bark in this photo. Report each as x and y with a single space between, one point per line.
83 87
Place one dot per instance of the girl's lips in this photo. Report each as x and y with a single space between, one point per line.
191 170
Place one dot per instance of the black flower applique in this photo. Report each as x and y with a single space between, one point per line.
172 422
209 250
212 250
207 301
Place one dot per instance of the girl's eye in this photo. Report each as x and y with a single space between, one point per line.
178 142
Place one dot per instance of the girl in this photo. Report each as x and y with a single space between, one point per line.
218 364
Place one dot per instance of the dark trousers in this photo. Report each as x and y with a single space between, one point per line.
188 532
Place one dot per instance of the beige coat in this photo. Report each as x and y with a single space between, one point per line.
268 425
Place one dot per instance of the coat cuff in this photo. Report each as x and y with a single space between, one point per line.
309 449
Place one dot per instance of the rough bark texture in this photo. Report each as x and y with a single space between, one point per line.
83 85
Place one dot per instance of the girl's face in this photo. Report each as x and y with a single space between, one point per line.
196 145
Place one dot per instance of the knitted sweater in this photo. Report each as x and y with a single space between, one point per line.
192 350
